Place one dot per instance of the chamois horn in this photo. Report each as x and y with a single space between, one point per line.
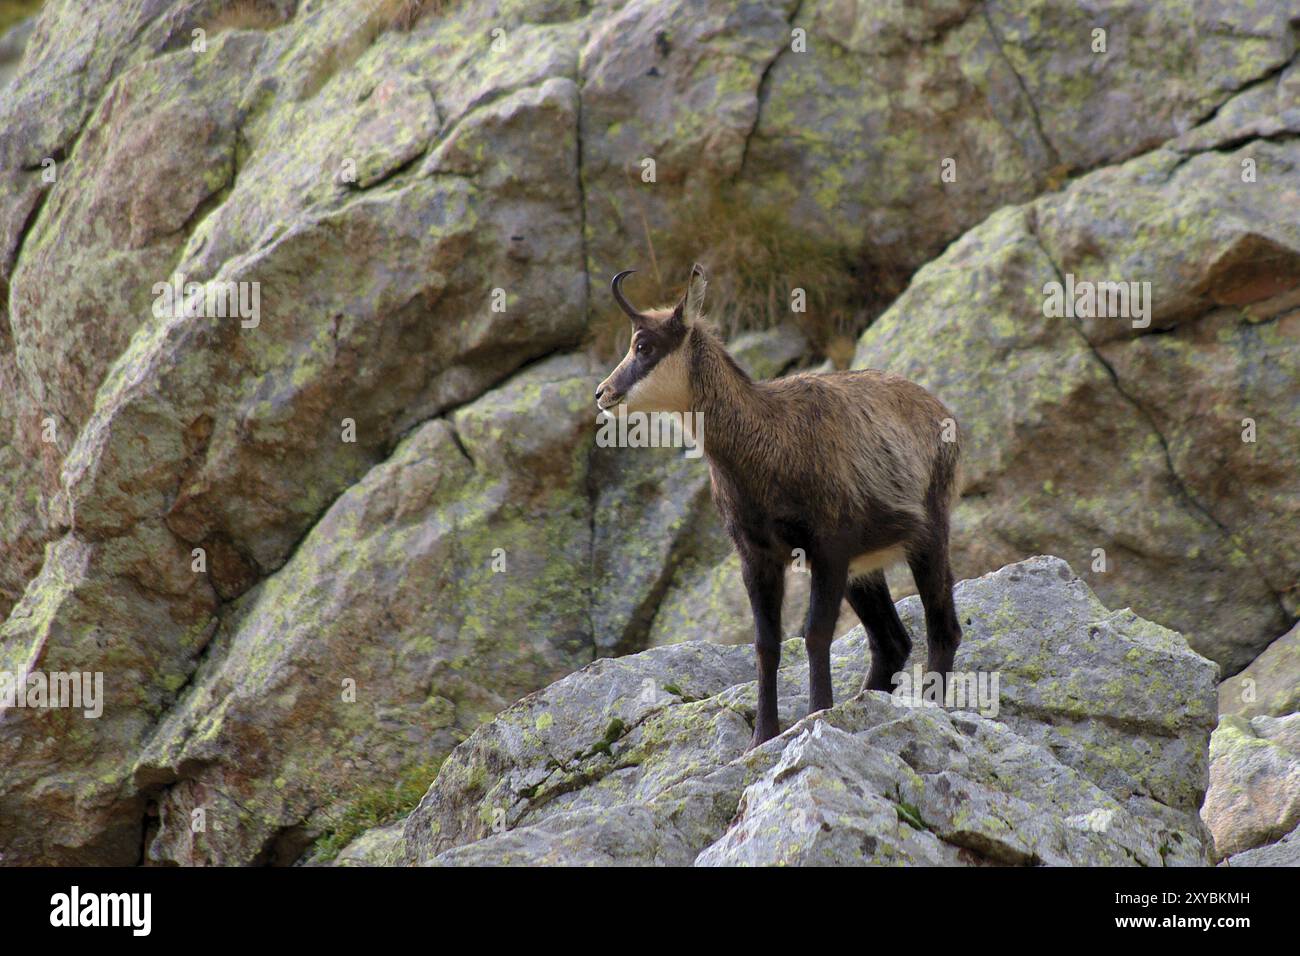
616 287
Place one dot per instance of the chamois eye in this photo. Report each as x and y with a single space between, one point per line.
644 348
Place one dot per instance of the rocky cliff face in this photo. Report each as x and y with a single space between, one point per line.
313 553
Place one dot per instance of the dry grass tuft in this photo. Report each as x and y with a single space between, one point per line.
756 257
246 15
403 15
381 16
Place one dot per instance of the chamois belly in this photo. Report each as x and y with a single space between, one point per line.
869 561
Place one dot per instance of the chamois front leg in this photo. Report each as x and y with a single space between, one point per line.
765 582
828 581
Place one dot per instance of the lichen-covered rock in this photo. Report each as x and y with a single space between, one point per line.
642 759
1254 795
889 129
1013 94
380 846
393 631
1270 685
213 440
13 38
872 786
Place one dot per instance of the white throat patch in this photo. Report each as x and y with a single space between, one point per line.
666 388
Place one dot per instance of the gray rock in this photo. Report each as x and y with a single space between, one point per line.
423 654
1270 685
1254 794
377 847
12 41
1286 852
929 788
1093 750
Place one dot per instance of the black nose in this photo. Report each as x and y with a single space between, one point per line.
599 390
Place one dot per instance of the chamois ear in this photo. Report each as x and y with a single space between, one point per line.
693 302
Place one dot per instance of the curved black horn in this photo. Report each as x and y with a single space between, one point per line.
616 287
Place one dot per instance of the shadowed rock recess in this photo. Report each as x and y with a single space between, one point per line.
313 555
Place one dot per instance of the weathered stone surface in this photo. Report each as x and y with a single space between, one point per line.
1013 93
208 433
1254 795
13 38
928 788
1268 108
839 117
468 544
1270 685
1285 852
23 509
103 247
377 847
642 759
65 789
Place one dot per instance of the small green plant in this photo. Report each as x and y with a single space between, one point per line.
910 815
376 807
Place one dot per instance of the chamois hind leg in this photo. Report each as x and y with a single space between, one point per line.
933 577
828 580
890 645
765 582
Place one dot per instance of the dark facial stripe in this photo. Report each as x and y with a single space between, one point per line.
662 341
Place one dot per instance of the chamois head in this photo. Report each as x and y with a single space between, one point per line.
653 376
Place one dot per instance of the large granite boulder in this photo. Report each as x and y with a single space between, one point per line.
1091 748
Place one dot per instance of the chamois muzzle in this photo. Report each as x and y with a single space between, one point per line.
606 397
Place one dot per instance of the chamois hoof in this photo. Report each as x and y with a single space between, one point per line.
876 681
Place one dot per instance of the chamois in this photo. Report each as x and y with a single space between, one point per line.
852 470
